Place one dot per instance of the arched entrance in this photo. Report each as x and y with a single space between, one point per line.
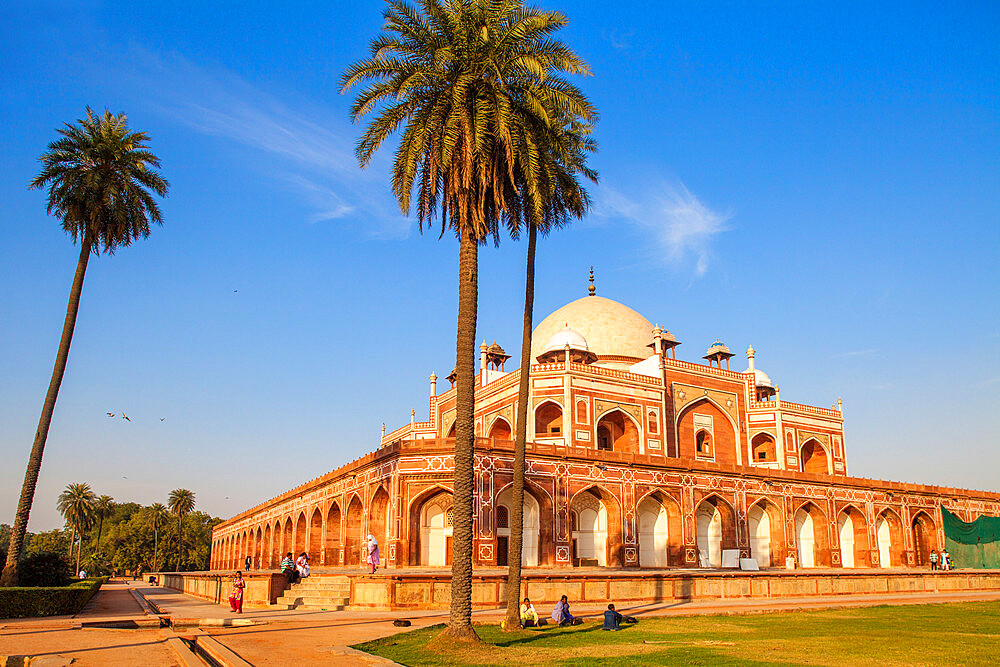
500 430
853 531
889 532
811 536
716 524
333 535
286 538
316 536
924 537
618 433
255 553
589 526
654 533
300 534
378 521
530 545
355 517
813 457
763 518
435 525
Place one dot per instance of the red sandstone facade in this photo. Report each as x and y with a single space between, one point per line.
634 459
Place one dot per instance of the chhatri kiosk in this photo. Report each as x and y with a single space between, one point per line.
635 459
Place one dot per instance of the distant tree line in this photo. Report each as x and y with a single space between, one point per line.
102 536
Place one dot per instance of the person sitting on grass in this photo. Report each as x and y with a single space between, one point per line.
561 613
612 619
529 617
288 568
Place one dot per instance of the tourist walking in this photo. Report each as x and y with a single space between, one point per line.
236 594
373 559
247 563
302 565
612 619
529 617
288 568
561 613
934 559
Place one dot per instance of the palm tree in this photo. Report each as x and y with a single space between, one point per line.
180 502
462 77
157 512
77 504
563 197
100 176
102 510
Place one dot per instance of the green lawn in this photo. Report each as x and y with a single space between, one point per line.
930 634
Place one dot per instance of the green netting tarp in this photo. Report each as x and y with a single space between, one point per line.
975 544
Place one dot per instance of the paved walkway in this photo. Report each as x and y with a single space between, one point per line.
271 637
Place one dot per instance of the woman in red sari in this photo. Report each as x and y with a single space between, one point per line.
236 596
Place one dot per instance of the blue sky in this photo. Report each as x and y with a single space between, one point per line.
819 181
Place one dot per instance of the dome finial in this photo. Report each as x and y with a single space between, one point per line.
591 290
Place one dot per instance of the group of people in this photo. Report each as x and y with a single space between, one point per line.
941 560
562 616
295 570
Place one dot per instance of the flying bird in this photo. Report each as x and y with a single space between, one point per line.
111 414
162 418
235 291
125 417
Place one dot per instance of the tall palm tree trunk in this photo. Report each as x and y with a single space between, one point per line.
521 421
460 616
155 547
9 577
72 541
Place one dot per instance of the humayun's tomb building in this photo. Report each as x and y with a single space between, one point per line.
635 458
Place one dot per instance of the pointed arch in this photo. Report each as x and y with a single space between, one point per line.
316 535
715 520
659 545
706 415
812 535
852 526
924 537
378 519
258 549
815 458
430 530
763 448
618 431
286 537
332 544
548 419
596 519
766 529
500 429
546 516
354 528
889 537
300 533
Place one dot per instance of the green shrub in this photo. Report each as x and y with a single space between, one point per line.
24 602
44 569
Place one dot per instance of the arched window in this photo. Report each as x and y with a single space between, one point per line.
548 420
764 450
703 443
651 425
503 517
581 412
449 517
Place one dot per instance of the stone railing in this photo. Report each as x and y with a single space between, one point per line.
262 588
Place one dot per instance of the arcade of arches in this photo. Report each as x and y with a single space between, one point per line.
600 532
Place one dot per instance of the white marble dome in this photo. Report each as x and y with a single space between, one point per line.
760 378
606 327
565 336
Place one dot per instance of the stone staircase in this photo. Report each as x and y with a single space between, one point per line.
318 592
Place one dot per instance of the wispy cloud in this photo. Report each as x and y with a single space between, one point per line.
681 225
309 152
